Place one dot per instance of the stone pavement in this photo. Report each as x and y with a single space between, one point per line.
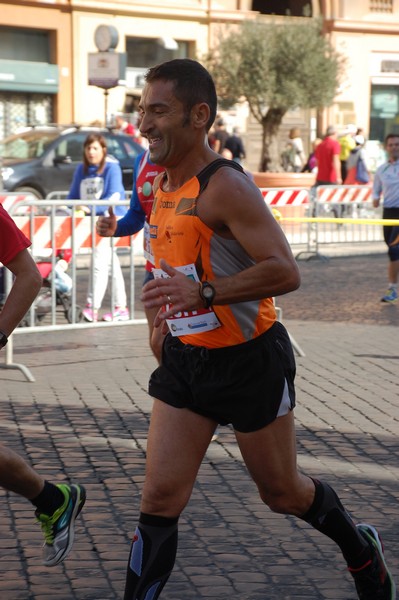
86 417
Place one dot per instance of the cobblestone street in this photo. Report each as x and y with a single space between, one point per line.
85 418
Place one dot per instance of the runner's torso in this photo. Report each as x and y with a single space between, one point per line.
180 237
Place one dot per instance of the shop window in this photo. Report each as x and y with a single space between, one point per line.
384 111
21 110
145 52
292 8
24 44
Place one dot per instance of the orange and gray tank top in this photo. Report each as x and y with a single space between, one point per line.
180 237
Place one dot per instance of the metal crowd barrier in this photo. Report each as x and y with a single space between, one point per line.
325 215
290 203
351 211
309 219
53 226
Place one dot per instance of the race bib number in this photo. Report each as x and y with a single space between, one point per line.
91 188
191 321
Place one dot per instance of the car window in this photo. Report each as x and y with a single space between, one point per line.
115 149
71 146
31 144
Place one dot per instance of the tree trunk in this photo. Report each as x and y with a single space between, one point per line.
270 125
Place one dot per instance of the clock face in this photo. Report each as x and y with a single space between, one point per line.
106 37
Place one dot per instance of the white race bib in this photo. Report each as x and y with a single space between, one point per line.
191 321
91 188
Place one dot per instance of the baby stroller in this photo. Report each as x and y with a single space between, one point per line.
62 286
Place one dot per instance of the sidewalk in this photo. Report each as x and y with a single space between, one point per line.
86 418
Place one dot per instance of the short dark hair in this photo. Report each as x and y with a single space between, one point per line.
192 83
95 137
389 136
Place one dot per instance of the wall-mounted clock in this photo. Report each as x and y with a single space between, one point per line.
106 37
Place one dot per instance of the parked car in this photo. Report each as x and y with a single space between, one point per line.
42 159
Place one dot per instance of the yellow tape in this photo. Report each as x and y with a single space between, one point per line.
339 221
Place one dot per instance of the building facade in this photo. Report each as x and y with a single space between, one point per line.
365 32
36 79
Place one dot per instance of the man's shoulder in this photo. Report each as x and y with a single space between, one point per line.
382 167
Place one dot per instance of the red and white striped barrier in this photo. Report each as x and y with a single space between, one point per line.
38 229
8 199
285 197
343 194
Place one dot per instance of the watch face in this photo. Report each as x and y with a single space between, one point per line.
207 291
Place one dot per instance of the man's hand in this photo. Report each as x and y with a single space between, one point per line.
106 226
178 290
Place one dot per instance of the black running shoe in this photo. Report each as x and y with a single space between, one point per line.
373 581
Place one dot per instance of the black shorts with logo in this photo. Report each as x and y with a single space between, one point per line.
247 385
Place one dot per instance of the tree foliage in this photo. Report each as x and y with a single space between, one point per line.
275 66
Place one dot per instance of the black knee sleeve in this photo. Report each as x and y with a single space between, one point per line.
152 557
328 515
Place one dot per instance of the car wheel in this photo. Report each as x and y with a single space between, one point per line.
29 190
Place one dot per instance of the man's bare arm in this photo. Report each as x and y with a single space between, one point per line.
25 288
234 208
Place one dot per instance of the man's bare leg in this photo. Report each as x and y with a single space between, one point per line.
17 476
270 455
177 442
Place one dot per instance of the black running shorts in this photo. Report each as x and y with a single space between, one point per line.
247 385
391 233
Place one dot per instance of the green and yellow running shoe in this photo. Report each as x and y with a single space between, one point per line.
58 528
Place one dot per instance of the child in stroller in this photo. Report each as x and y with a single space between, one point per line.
62 286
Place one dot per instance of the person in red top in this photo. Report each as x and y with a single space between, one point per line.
57 506
124 126
328 163
137 218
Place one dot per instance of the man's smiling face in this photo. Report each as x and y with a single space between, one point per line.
165 123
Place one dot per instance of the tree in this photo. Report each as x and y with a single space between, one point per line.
275 67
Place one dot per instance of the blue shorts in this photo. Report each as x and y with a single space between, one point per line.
247 385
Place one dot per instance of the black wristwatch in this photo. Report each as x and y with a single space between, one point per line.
3 339
207 293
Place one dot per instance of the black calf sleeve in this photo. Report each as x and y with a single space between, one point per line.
329 516
151 558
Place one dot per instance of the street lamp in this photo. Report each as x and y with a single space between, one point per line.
107 68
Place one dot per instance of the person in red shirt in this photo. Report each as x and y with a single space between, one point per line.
137 217
122 126
328 163
57 506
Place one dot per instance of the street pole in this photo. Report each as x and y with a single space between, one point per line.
105 107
